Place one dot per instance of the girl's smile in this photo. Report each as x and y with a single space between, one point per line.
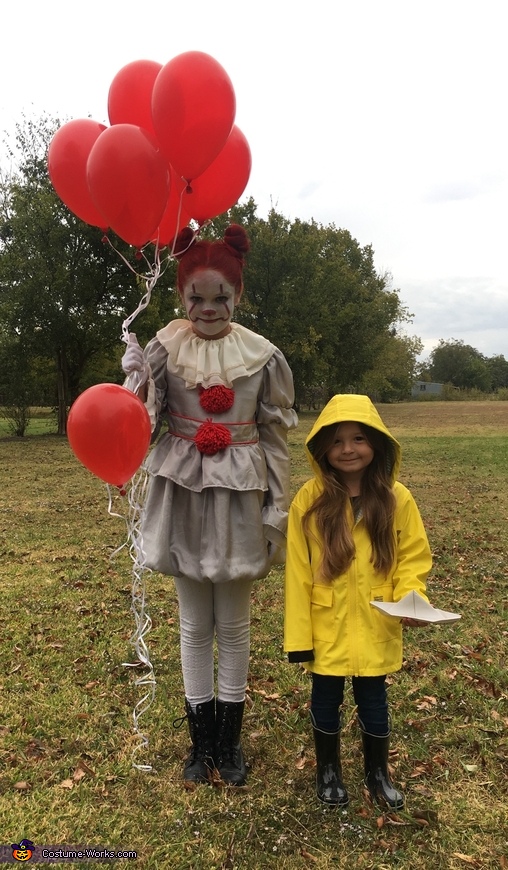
350 453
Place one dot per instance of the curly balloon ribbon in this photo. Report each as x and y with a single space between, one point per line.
143 623
136 491
154 270
150 282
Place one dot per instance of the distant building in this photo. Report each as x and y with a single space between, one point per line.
423 388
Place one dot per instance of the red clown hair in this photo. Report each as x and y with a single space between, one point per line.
226 256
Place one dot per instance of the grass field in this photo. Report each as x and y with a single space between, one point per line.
66 739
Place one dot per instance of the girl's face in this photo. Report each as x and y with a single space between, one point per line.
209 302
350 453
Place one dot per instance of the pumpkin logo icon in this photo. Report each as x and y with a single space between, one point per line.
23 850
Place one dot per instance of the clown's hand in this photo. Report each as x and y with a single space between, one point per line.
133 360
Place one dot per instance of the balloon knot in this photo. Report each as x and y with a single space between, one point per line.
188 189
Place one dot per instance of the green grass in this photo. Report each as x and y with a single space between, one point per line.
42 422
66 738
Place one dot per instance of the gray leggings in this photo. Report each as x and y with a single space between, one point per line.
207 611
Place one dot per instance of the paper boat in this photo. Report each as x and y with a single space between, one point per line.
415 607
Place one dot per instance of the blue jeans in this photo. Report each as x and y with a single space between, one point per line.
370 697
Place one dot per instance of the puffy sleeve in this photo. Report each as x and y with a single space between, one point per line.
156 357
414 559
275 416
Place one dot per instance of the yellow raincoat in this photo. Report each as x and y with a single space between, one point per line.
334 622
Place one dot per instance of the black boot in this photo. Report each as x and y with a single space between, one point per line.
329 786
229 758
199 765
377 778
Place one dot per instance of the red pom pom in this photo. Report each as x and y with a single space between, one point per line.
212 437
217 400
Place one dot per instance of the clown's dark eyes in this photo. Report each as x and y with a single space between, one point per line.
196 299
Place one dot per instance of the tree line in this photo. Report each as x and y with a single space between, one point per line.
65 291
462 366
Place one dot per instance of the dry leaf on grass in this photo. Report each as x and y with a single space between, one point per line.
301 761
468 859
83 769
308 856
78 775
426 817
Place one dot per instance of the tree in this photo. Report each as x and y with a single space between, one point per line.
315 293
498 368
459 364
16 397
63 292
311 289
393 372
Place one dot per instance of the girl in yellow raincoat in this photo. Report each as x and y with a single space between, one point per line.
355 535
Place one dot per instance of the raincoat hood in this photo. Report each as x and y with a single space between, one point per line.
352 408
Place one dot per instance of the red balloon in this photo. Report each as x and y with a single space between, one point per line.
193 110
175 217
130 94
109 432
222 184
67 158
129 181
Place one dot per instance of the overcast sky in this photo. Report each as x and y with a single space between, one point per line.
385 117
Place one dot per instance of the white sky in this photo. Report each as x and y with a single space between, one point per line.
385 117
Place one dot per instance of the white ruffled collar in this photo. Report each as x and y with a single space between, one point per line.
209 362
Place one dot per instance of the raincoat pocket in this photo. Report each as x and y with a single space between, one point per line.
322 612
382 593
387 638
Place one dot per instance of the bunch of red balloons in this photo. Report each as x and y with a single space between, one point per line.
172 153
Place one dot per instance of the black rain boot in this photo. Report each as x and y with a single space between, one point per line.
377 778
199 765
329 786
229 758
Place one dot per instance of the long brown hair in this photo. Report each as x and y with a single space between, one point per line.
331 508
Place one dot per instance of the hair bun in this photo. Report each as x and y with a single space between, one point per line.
237 240
183 241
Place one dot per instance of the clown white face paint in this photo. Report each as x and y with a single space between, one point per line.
209 302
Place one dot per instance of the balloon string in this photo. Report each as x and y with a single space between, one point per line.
142 620
136 491
179 214
150 282
155 269
178 217
154 273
